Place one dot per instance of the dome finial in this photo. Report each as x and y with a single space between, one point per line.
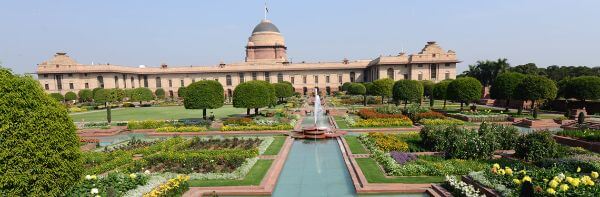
266 9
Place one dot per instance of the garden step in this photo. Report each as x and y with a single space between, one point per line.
438 190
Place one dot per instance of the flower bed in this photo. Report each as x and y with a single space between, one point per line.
154 124
279 122
116 184
447 122
383 122
256 127
387 142
460 188
587 134
429 115
371 113
173 187
479 117
182 129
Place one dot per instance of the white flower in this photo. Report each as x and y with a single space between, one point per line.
94 191
147 172
88 177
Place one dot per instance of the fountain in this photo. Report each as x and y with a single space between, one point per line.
320 126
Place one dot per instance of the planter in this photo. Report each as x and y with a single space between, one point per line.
592 146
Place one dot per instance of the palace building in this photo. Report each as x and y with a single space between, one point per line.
266 59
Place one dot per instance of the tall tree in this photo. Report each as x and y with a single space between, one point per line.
407 90
253 95
536 88
440 89
464 90
382 87
583 88
108 97
141 95
428 90
205 94
527 69
39 147
486 71
505 87
283 90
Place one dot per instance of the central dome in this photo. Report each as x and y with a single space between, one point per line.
265 26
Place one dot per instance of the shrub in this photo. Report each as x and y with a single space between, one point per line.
141 94
467 144
447 122
147 124
128 105
464 90
389 109
238 121
160 93
429 115
586 134
253 94
503 137
57 96
402 157
205 94
370 113
383 122
85 95
257 127
115 184
39 149
388 142
407 90
536 146
70 96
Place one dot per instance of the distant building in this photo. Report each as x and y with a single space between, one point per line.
266 59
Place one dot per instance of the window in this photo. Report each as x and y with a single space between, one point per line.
47 86
45 75
58 82
132 83
254 74
124 81
447 75
87 86
100 81
390 73
420 65
406 76
316 78
145 81
420 76
327 79
70 74
340 78
328 90
170 83
158 82
116 82
352 77
267 77
279 77
228 80
71 86
304 91
241 75
447 64
292 79
304 79
433 71
85 74
181 84
406 66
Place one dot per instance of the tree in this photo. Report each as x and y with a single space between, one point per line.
85 95
583 88
439 90
368 88
160 93
527 69
464 90
70 96
39 147
382 87
283 90
141 94
205 94
57 96
407 90
486 71
428 90
358 89
536 88
107 97
505 87
181 92
345 86
253 94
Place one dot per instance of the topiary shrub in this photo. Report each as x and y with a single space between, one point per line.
205 94
85 95
57 96
464 90
70 96
581 118
39 150
407 90
160 93
536 146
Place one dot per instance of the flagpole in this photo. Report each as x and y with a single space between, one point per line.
266 10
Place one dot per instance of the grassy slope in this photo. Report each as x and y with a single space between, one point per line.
355 146
342 124
373 173
254 177
275 147
155 113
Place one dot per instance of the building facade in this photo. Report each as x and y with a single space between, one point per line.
266 59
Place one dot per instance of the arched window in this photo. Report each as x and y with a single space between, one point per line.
328 90
158 82
304 91
100 81
279 77
116 82
132 83
390 73
352 77
228 80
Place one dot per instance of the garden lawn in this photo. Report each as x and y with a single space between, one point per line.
355 146
275 147
254 177
154 113
374 174
341 123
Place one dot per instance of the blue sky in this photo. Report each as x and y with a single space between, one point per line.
136 32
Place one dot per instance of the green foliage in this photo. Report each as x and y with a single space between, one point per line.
39 149
427 87
141 94
583 88
505 86
439 89
407 90
536 88
205 94
57 96
382 87
284 90
464 90
181 92
108 95
368 88
487 71
85 95
116 184
253 94
580 118
536 146
70 96
357 89
345 86
160 93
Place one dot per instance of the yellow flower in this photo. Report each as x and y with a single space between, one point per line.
553 183
575 182
578 169
501 172
564 187
590 183
523 172
508 171
594 175
132 175
527 178
517 181
551 191
569 179
497 166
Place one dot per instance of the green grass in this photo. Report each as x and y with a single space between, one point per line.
355 146
254 177
275 147
154 113
342 124
373 173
